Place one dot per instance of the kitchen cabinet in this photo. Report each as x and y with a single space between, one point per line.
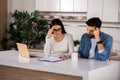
94 8
66 6
41 5
47 5
73 6
111 10
106 10
61 5
53 5
80 5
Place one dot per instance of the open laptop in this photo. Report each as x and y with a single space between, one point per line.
23 51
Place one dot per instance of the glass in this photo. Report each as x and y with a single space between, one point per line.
57 30
74 56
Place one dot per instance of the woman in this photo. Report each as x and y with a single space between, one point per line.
58 42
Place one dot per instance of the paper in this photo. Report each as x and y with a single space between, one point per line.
50 59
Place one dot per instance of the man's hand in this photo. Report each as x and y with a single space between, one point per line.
97 34
97 37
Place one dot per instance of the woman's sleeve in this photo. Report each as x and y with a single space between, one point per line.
70 41
47 48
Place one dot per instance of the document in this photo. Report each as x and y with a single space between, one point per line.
50 59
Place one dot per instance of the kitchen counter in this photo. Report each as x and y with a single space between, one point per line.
85 68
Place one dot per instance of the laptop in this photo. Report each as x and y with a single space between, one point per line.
23 51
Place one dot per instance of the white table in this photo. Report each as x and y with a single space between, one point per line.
86 68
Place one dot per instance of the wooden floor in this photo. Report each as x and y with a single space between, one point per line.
13 73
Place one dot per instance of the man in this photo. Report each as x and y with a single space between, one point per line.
95 44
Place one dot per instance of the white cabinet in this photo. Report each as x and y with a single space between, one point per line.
41 5
106 10
47 5
66 6
53 5
61 5
111 10
80 5
94 8
73 6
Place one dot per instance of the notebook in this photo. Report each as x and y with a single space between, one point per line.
23 51
50 59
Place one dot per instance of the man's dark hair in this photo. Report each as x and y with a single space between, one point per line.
57 22
95 21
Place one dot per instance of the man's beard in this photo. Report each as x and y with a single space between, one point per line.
91 36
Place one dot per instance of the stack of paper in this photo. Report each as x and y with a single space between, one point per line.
50 59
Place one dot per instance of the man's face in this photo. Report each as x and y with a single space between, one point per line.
90 31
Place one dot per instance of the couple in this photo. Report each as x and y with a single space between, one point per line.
93 45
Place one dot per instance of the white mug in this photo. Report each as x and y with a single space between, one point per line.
74 56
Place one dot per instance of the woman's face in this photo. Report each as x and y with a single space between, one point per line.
57 31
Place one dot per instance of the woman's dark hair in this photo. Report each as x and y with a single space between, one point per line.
95 21
57 22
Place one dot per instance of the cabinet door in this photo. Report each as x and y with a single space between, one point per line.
95 8
111 10
66 6
80 5
53 5
41 5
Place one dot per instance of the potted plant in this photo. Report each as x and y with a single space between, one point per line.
25 28
76 45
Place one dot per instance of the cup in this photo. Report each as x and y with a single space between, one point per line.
74 56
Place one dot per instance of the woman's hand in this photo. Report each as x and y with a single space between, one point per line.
64 57
50 33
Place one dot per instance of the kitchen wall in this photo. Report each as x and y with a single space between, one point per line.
75 28
21 5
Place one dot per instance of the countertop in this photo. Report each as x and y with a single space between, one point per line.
78 68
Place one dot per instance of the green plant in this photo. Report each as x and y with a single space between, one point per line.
25 28
76 42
